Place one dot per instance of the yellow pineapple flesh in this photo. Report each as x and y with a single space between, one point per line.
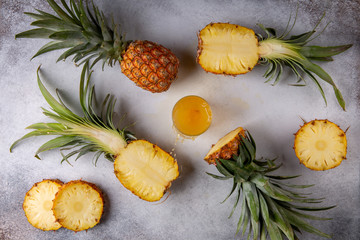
320 145
78 205
38 205
225 48
226 147
151 66
145 169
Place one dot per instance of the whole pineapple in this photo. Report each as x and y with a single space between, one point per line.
231 49
87 36
142 167
320 145
269 207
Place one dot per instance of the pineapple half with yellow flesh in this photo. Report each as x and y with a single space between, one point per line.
146 169
141 166
230 49
270 208
78 205
320 145
38 204
87 36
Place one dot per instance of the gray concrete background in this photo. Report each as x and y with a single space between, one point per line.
272 115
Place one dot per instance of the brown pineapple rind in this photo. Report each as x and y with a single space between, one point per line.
151 66
321 164
227 146
62 220
55 225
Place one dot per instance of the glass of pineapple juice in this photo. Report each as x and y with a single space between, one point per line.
191 116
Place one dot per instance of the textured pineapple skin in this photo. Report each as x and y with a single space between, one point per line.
316 129
226 147
151 66
146 170
53 225
227 49
63 220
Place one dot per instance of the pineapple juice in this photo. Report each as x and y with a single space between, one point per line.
191 115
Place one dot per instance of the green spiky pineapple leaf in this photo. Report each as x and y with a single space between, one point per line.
269 207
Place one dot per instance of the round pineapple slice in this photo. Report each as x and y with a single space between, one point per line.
78 205
146 170
226 147
320 145
38 202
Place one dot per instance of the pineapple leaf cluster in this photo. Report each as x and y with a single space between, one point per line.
79 28
268 205
92 132
298 56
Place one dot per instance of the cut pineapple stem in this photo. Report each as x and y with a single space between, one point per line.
277 49
108 139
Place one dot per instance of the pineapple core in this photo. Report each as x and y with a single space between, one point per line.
320 145
229 49
192 116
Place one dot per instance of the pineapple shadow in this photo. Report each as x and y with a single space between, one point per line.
187 67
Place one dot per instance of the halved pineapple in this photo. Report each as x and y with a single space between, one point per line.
226 147
78 205
38 203
320 145
225 48
145 169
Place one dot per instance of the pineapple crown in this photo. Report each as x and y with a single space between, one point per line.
279 51
82 30
268 206
90 133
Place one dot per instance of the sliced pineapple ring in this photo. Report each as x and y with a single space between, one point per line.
320 145
78 205
145 169
38 203
226 147
225 48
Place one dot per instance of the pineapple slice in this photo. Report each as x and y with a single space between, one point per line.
226 147
38 203
145 169
78 205
227 49
320 145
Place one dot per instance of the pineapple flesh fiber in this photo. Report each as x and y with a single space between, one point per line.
78 205
38 204
320 145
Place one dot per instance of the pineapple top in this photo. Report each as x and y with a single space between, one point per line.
83 31
268 205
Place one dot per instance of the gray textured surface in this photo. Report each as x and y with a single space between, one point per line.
272 114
